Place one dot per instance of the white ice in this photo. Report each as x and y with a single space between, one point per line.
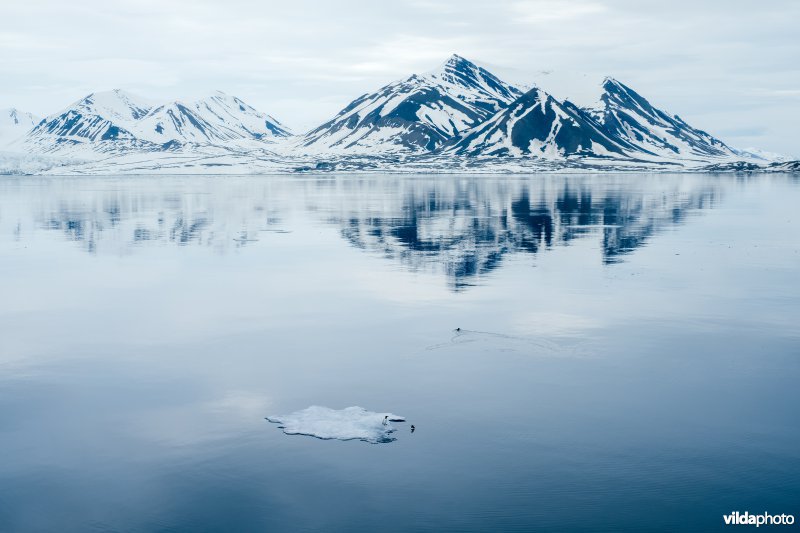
350 423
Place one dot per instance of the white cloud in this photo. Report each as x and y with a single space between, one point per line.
548 11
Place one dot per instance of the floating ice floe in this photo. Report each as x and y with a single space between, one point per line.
350 423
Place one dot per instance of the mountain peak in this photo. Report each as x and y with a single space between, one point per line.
628 115
116 120
417 113
220 96
13 124
612 85
462 73
218 117
622 95
539 126
115 103
455 65
456 59
120 94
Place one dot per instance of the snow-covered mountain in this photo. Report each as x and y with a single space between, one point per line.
416 114
539 126
761 155
464 109
100 122
218 118
626 116
116 122
15 124
458 117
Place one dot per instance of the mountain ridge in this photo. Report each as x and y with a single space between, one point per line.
417 113
457 116
117 121
538 125
626 114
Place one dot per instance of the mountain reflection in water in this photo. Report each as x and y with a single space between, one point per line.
461 227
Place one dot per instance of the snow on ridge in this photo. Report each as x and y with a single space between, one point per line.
460 103
116 104
217 117
458 73
414 114
119 122
652 132
12 116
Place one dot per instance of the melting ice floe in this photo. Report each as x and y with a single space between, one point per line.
350 423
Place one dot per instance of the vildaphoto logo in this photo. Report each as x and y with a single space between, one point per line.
764 519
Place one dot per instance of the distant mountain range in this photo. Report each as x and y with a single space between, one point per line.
459 117
116 122
14 124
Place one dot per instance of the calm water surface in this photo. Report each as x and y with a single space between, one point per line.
629 356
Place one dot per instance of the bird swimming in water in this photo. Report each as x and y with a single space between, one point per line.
458 330
412 428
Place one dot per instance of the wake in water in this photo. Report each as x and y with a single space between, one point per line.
502 342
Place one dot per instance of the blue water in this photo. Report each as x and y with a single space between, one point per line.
629 358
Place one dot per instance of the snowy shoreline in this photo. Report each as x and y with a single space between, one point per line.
20 164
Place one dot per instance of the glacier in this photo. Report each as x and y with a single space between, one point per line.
350 423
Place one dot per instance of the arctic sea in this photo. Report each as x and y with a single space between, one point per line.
576 353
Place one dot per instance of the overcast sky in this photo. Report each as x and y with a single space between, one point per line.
729 67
